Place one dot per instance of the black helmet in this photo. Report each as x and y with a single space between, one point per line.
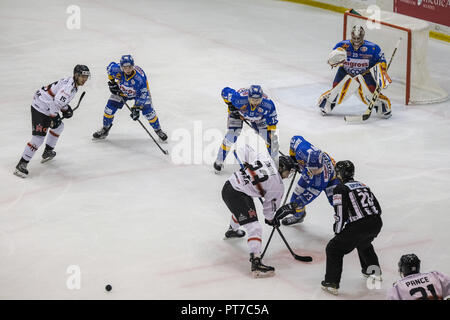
285 163
81 69
409 264
345 170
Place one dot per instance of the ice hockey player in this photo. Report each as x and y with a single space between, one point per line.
357 222
414 285
257 178
317 174
356 58
47 103
128 82
255 107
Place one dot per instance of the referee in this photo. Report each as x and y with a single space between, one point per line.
357 223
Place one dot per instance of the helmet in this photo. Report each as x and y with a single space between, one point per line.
81 69
126 60
345 170
358 35
285 163
409 264
315 159
255 95
255 92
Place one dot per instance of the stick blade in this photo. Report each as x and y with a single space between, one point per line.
353 119
303 258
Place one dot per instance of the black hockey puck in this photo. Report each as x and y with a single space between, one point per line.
108 287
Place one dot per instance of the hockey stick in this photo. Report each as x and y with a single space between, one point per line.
164 151
375 96
296 256
78 104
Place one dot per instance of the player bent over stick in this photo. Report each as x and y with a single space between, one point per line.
47 103
255 107
356 58
128 82
257 178
317 174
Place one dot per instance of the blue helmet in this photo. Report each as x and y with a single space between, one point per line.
126 60
255 92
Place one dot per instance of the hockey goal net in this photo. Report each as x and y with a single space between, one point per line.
409 72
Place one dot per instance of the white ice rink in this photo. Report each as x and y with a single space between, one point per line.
151 225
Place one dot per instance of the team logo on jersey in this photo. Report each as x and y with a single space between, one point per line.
252 213
133 82
363 49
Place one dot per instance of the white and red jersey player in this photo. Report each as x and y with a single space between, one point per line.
55 97
259 179
432 285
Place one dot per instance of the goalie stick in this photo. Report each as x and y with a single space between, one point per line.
296 256
375 96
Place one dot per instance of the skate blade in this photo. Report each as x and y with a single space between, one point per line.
46 160
330 290
260 274
20 174
96 139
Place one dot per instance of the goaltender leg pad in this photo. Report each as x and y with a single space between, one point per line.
365 93
345 88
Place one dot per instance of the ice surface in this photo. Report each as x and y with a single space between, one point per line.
152 225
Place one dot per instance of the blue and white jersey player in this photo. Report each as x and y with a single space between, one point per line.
253 106
128 82
317 174
356 58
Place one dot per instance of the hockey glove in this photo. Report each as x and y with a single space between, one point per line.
68 113
114 87
274 222
285 210
135 113
55 121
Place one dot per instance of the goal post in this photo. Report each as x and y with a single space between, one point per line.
411 80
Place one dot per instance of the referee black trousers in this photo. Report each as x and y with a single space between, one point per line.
359 235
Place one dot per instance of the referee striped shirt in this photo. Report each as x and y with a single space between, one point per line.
353 201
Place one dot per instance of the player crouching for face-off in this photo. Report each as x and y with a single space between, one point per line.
259 178
356 58
47 103
128 82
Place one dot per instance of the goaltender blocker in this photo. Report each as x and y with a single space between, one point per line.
356 59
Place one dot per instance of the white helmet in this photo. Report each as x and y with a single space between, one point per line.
358 36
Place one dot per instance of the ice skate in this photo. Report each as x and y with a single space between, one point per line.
260 270
293 220
21 168
161 134
234 233
102 133
48 154
330 287
217 167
